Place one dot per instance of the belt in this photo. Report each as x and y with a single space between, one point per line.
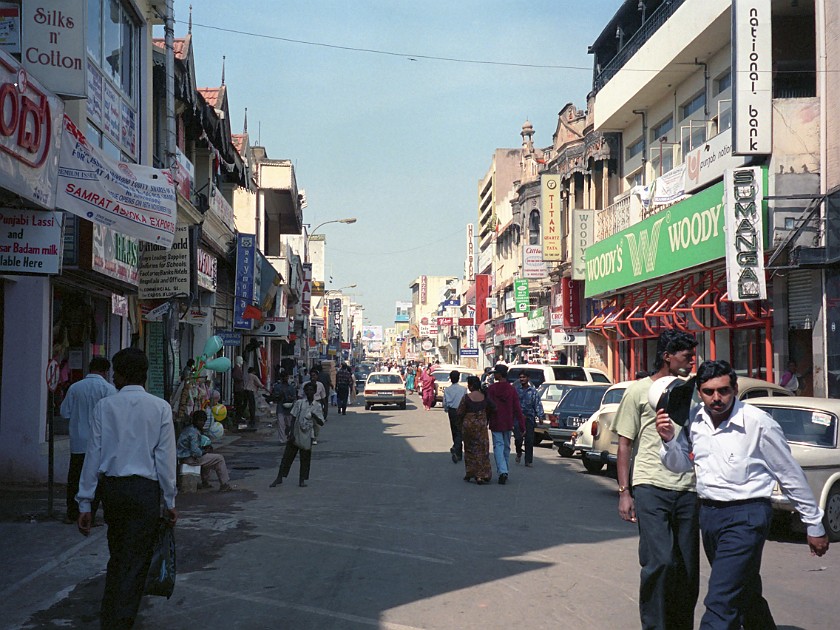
726 504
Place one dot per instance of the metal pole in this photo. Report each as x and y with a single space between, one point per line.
51 453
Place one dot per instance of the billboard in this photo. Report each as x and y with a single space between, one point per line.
402 312
372 333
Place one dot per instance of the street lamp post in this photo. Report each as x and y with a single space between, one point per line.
347 221
327 293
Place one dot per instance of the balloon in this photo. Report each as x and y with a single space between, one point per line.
219 412
216 431
212 346
222 364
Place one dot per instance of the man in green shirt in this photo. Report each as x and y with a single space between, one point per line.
663 503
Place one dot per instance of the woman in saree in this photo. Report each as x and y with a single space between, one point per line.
427 383
409 378
474 411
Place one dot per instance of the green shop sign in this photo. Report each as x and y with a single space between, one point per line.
687 234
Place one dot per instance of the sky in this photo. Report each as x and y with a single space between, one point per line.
399 138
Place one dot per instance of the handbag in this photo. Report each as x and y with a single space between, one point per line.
161 577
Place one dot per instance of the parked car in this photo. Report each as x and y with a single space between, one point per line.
572 411
605 445
584 438
384 388
538 374
442 379
551 392
810 426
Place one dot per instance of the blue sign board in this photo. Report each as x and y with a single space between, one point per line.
469 352
230 337
451 303
246 254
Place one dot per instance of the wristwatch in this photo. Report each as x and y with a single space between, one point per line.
622 489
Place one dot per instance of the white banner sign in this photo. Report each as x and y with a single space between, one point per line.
54 44
743 197
135 200
533 265
709 161
30 241
752 77
31 134
165 272
583 235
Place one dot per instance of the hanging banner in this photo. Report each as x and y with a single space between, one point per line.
583 235
743 200
135 200
31 134
521 295
246 256
54 44
533 265
551 217
30 241
752 77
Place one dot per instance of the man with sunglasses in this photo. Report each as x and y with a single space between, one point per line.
738 453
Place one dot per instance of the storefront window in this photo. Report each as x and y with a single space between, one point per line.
748 352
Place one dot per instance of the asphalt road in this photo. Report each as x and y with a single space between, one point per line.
388 535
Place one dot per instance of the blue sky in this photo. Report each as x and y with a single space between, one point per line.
399 144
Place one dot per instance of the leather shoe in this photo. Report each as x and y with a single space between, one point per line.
302 483
276 482
503 479
454 457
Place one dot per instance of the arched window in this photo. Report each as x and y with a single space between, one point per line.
534 227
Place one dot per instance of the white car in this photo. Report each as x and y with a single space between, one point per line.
538 373
583 439
384 388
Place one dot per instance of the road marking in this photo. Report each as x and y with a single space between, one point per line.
387 552
266 601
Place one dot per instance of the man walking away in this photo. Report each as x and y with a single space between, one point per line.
452 396
735 490
343 383
131 453
326 381
531 405
663 502
503 396
77 407
252 386
239 396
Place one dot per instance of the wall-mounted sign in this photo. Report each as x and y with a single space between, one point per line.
10 27
743 201
206 270
469 264
572 302
533 265
30 241
165 272
583 235
444 321
424 288
246 256
552 226
115 255
521 295
752 77
54 44
119 305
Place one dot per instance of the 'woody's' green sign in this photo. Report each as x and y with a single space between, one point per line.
687 234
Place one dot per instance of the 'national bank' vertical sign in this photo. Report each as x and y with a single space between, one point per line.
743 200
246 255
551 216
752 82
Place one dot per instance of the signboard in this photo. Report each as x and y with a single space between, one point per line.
447 303
583 235
52 375
424 288
550 186
206 270
752 77
335 305
274 327
482 292
306 290
135 200
119 305
688 234
165 272
533 265
469 267
230 337
708 162
466 321
183 172
10 27
521 295
246 256
54 44
491 303
221 208
115 255
743 200
31 134
572 290
30 241
556 317
444 321
402 312
469 352
372 333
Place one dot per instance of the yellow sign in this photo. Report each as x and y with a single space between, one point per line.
552 227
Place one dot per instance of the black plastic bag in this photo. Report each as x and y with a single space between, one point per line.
161 578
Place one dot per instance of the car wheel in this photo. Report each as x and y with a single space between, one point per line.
367 406
565 451
592 466
831 520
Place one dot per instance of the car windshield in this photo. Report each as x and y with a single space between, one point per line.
568 373
441 377
613 396
581 399
536 376
384 379
805 426
552 392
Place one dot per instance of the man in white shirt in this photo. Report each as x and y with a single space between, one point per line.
738 453
452 396
131 455
77 407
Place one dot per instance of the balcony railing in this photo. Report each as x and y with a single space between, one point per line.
654 21
613 218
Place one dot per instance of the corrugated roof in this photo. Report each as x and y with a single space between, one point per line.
211 95
180 46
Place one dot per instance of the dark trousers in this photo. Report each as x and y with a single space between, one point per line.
251 399
669 553
342 393
240 401
292 449
132 511
733 538
74 473
526 437
455 429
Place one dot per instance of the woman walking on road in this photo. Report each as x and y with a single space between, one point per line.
306 413
409 378
427 383
474 411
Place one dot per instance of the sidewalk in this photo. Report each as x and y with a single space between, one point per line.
53 576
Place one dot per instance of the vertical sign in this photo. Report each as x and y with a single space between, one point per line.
246 255
551 217
469 270
482 292
743 197
54 44
306 293
583 235
572 292
752 83
424 288
521 295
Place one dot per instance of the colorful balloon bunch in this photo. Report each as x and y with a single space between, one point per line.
205 360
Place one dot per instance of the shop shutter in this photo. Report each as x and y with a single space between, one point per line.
803 300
